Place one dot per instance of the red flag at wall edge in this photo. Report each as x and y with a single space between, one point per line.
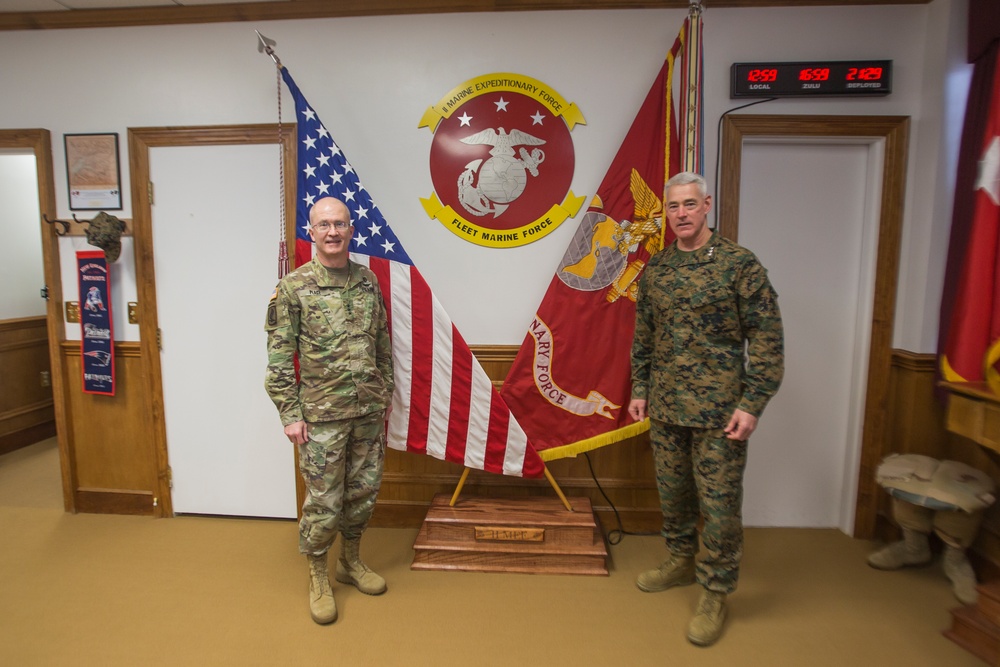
570 384
972 342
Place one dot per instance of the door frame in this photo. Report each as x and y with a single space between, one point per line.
140 140
39 142
893 131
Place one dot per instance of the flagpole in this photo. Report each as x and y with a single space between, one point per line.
548 476
458 489
265 45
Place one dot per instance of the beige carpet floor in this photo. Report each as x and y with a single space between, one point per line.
120 590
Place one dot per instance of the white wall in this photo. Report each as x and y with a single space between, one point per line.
21 271
371 79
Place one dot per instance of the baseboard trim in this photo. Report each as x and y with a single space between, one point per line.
27 436
114 501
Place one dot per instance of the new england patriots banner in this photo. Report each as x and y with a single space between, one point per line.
97 338
444 405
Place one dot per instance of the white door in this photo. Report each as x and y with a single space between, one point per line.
808 210
215 239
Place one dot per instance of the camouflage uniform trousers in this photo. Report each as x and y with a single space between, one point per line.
341 464
701 471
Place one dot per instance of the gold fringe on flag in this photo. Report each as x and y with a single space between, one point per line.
596 442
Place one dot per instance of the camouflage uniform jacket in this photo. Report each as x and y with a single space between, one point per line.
694 312
341 335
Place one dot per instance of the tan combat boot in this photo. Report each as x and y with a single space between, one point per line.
350 570
706 626
675 571
912 550
959 571
321 604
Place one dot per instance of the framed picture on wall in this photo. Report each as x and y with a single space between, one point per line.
93 172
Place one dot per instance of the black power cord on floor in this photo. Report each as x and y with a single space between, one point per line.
615 535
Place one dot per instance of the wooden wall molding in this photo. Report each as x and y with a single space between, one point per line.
29 408
914 361
19 323
309 9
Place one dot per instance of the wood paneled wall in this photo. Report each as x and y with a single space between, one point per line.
114 470
624 472
917 426
112 467
26 408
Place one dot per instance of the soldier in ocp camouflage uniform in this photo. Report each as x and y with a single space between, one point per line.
702 302
330 311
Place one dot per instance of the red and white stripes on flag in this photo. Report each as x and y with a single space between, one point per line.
444 404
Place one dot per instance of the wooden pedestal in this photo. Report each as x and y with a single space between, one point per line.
976 628
528 535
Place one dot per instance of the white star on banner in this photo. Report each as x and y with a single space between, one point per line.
465 119
310 114
309 200
538 118
349 196
388 246
989 171
323 159
337 178
323 188
362 212
310 171
309 142
502 104
322 132
360 240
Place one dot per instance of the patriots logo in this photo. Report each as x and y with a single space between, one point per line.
100 357
94 301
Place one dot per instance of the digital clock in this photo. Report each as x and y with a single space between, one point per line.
843 77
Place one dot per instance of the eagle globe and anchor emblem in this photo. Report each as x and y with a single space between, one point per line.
490 184
502 178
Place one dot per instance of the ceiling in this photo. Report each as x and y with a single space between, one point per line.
56 14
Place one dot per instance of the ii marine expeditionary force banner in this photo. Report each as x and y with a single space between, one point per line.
502 160
97 337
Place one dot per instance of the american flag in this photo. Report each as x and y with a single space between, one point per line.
444 404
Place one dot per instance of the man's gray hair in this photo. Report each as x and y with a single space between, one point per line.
688 178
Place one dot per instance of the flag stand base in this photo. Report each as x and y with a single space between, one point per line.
548 476
526 535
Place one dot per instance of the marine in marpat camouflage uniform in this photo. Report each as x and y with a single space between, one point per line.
331 312
702 301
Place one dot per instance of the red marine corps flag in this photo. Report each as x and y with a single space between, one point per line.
971 335
444 404
571 380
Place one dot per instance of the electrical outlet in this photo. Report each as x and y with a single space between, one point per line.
46 378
